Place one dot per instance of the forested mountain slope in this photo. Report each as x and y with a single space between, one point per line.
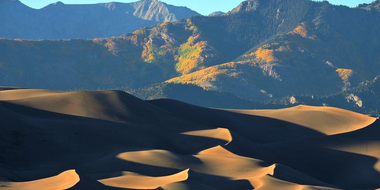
261 50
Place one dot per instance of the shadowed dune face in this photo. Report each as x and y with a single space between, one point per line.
111 140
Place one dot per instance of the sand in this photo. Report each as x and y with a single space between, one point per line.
327 120
111 140
64 180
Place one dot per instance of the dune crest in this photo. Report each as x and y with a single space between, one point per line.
64 180
327 120
15 94
218 151
135 181
219 133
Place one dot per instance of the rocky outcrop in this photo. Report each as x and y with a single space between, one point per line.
217 13
372 6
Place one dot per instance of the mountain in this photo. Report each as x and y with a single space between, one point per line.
106 140
61 21
262 50
246 6
91 64
372 6
363 99
217 13
311 48
192 94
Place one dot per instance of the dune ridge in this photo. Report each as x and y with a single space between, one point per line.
135 181
111 140
64 180
327 120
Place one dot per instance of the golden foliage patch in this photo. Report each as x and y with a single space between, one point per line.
265 54
190 55
344 74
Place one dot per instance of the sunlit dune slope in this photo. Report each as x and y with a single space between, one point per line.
135 181
64 180
327 120
108 140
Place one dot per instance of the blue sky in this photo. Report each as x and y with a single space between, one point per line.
204 7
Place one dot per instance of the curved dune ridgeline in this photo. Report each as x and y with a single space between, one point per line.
111 140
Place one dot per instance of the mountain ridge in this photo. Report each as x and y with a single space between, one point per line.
279 49
247 5
66 21
217 13
295 46
375 5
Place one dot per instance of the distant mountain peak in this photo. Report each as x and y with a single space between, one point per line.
375 5
247 5
110 6
64 21
149 1
58 3
217 13
153 10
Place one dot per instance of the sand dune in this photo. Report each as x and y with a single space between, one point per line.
64 180
135 181
108 140
219 133
221 164
15 94
327 120
269 183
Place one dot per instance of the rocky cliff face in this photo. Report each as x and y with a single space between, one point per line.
248 5
153 10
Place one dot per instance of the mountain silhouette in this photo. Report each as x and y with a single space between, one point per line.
61 21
